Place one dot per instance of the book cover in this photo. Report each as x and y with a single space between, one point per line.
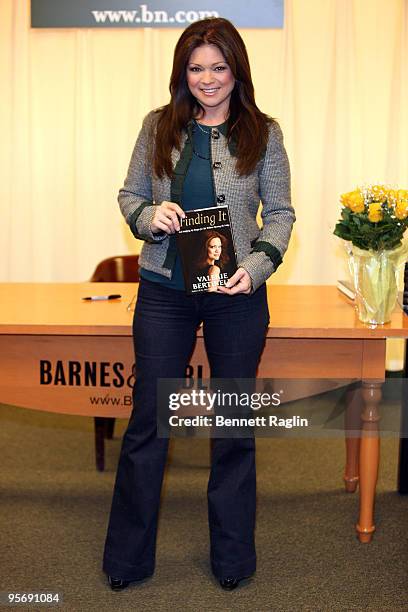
206 248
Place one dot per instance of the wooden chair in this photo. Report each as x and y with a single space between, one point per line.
119 269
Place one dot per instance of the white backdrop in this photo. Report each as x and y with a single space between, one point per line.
72 102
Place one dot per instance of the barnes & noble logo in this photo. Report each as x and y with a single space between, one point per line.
93 373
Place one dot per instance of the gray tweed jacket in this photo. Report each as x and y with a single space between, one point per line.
259 251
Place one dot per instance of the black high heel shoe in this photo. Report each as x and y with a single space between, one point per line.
231 583
117 584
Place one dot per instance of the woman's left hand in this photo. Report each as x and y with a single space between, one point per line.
240 282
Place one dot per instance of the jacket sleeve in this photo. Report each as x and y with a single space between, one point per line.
277 214
135 197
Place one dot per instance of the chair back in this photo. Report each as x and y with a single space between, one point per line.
118 269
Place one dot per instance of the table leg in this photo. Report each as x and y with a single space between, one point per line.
403 449
403 467
369 459
352 428
100 428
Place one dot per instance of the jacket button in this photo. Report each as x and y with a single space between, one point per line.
215 134
217 165
221 198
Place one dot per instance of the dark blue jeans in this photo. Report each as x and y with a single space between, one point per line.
164 331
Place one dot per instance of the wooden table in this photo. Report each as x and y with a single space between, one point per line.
61 354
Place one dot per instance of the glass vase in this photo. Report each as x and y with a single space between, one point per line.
375 277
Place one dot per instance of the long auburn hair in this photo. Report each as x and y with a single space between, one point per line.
247 125
208 235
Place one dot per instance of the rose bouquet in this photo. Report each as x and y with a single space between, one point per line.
373 218
373 222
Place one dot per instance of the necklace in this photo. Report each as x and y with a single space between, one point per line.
194 151
199 126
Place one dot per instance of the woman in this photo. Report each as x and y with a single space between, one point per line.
210 145
213 256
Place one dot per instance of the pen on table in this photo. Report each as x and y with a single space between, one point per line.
95 298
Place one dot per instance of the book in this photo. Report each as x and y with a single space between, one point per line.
347 288
206 248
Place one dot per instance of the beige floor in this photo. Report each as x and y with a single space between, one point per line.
54 512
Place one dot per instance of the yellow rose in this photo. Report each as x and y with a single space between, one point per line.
401 204
353 200
375 213
356 202
401 209
344 198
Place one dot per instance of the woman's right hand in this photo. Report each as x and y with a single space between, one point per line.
165 218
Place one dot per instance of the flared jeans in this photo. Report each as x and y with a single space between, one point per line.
164 331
